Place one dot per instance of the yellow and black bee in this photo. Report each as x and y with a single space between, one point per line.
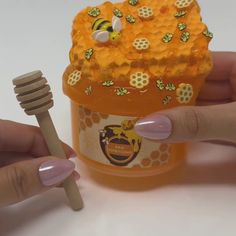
104 30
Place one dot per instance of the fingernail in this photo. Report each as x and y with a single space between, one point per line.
55 171
155 126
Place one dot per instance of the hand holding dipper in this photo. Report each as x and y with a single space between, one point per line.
36 99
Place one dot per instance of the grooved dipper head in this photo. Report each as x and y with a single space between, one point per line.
33 93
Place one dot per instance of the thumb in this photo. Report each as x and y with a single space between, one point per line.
190 124
22 180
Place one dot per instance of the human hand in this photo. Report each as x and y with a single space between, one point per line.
213 120
26 169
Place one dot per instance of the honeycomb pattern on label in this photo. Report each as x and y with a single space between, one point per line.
88 118
159 157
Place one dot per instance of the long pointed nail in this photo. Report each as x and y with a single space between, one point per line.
54 172
155 126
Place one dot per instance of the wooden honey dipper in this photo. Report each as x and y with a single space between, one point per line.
35 98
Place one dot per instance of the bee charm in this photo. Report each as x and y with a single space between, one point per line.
105 31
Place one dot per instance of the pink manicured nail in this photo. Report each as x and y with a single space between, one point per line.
55 171
155 126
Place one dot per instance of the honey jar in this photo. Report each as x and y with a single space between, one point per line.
128 60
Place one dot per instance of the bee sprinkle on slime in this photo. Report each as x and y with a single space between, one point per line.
105 31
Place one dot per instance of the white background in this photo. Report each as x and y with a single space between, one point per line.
198 199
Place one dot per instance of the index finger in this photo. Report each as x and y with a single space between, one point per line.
222 66
15 137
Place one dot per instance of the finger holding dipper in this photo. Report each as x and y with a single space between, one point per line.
35 98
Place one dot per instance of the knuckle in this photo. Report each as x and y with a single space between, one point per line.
193 122
17 179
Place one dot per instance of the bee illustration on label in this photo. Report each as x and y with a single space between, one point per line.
120 144
105 31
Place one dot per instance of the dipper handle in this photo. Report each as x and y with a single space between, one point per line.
36 99
56 149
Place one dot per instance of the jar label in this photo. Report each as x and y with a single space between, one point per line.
112 140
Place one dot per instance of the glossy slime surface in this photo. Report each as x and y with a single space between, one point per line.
169 47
